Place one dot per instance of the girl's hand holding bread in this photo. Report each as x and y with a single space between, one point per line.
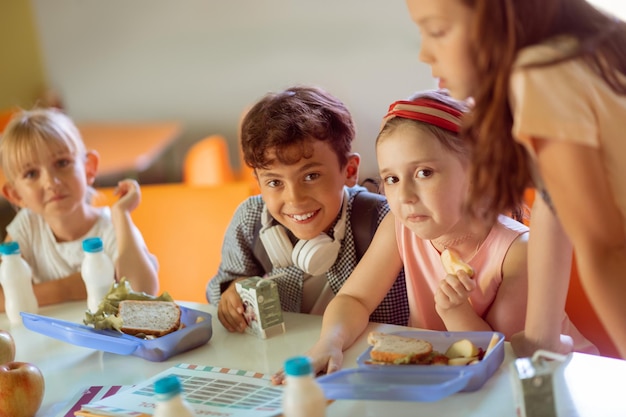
454 291
456 287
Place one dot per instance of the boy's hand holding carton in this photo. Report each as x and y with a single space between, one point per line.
261 306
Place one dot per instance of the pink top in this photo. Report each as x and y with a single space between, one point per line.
423 271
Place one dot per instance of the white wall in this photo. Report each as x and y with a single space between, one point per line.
203 61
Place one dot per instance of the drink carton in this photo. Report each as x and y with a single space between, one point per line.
261 306
539 387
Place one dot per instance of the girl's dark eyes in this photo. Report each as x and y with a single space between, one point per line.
420 174
424 173
311 177
273 183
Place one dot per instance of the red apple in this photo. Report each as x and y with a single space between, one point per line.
7 347
21 389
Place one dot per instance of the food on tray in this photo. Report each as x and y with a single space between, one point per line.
107 316
394 349
389 348
463 348
452 263
149 318
463 361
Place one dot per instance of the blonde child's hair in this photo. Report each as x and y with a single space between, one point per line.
32 133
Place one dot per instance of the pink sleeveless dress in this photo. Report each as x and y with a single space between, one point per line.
423 270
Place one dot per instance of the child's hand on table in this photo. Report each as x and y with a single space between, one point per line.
326 358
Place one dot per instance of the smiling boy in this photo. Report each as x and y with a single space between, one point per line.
302 230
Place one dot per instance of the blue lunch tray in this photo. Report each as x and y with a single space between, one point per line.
197 331
416 382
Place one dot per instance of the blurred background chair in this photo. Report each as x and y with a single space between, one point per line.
184 226
583 315
207 163
245 173
5 116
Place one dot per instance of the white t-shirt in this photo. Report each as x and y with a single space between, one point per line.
50 259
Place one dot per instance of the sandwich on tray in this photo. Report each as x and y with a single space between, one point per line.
136 313
392 349
149 318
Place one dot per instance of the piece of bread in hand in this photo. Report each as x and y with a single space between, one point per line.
452 263
394 349
150 318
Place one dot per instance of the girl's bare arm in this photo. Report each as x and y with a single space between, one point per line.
134 261
577 179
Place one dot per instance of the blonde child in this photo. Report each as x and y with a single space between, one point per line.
423 166
548 79
49 174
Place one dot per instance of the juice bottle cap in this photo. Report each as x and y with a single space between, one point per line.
9 248
298 366
92 244
168 385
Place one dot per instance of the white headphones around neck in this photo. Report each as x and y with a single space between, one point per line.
313 256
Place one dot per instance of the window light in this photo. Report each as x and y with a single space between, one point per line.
616 7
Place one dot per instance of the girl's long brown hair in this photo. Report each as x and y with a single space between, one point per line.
500 167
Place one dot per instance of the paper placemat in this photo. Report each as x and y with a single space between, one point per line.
210 390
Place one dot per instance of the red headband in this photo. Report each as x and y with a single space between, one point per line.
427 111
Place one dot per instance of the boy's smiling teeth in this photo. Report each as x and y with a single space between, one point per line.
302 217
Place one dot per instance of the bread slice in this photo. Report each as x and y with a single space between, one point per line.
452 263
390 348
151 318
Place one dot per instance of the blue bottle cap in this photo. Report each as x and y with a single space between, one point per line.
298 366
92 244
167 385
9 248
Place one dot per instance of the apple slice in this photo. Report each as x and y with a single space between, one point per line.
462 361
463 348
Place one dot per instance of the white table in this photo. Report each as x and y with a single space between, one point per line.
594 384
